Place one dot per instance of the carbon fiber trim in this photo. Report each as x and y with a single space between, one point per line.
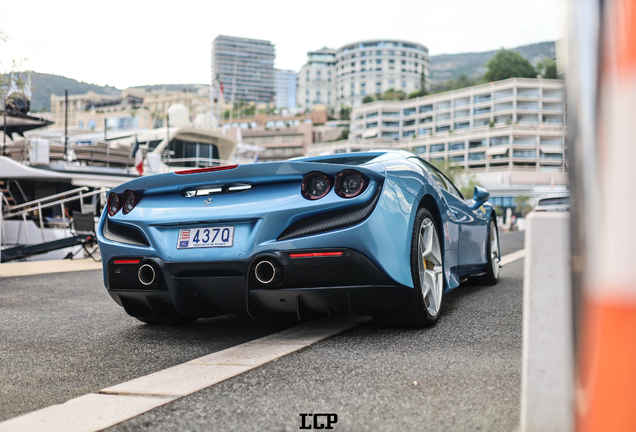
331 221
124 234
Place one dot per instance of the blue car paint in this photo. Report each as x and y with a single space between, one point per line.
263 212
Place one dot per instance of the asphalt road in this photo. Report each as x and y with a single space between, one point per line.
62 336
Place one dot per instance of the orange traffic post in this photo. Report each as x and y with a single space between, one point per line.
604 252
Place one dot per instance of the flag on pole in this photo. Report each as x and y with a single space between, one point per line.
136 153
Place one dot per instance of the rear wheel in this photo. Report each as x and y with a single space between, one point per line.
423 307
491 275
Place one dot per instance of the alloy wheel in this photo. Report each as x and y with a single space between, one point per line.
430 267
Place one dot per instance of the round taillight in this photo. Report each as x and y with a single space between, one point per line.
129 201
113 203
350 183
315 185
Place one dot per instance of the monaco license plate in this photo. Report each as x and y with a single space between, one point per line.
206 237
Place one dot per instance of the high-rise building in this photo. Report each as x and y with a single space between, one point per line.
316 80
285 87
375 66
245 67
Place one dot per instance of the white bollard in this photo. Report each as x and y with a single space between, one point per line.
547 376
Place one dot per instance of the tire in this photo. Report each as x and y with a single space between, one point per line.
423 307
172 320
491 277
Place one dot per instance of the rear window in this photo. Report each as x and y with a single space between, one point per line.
554 201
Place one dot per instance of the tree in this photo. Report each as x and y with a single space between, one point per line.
344 135
521 205
508 64
392 94
461 82
418 93
345 112
368 99
547 68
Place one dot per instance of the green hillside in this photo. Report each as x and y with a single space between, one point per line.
451 66
43 85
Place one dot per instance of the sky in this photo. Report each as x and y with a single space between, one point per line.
128 43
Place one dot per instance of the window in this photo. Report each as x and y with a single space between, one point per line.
443 105
80 124
419 150
436 148
378 61
457 146
395 135
476 156
426 108
391 124
463 125
442 128
428 119
477 143
503 94
458 158
548 141
407 134
391 113
526 154
497 141
424 131
437 177
555 156
372 115
409 122
409 111
483 110
528 92
372 125
525 140
482 98
462 101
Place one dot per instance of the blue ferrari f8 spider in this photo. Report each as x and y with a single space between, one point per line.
382 232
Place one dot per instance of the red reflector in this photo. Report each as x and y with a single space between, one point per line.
315 254
202 170
126 261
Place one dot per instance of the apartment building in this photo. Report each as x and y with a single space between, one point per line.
285 137
316 80
509 134
245 67
285 88
374 66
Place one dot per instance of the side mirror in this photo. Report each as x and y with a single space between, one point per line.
480 196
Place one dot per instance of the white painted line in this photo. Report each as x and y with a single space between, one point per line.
249 354
93 412
180 380
507 259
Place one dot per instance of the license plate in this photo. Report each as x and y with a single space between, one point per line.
206 237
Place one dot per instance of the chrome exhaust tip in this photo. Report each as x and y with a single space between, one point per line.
146 274
265 272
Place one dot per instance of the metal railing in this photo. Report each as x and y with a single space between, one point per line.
40 204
